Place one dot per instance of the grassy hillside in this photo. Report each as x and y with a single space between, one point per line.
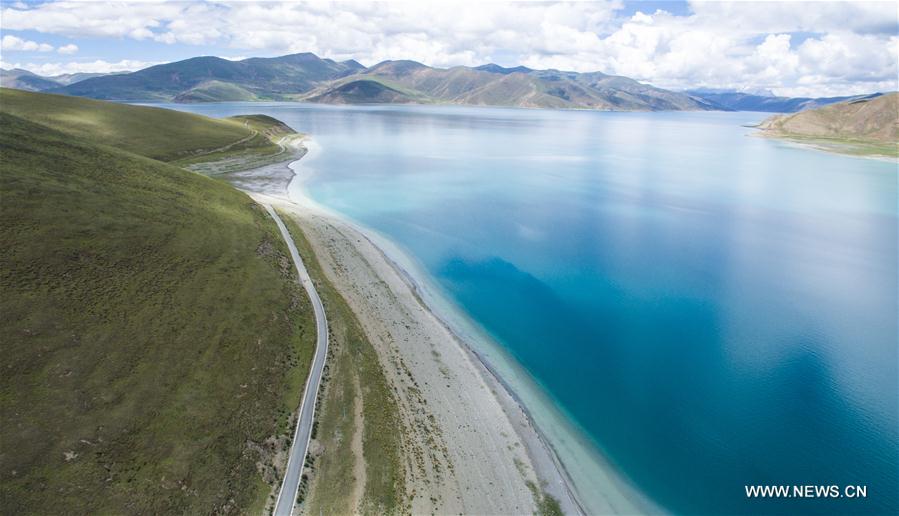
156 133
154 338
363 91
216 91
272 142
868 126
171 136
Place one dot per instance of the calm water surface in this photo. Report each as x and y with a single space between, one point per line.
714 310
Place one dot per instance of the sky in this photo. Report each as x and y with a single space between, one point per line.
786 48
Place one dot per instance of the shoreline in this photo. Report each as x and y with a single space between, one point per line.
510 402
610 492
819 144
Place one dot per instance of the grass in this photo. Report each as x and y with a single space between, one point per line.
265 131
271 143
849 146
414 95
353 372
216 91
205 145
546 504
152 331
160 134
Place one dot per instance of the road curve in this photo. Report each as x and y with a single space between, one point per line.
288 493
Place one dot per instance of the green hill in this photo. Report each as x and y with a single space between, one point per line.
154 337
162 134
363 91
866 126
156 133
264 78
216 91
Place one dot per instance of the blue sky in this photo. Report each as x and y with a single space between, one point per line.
810 48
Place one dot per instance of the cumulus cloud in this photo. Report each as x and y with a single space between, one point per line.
72 18
71 48
10 42
784 16
787 47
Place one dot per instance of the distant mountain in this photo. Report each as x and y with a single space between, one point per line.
71 78
363 91
203 79
495 68
859 126
307 77
737 101
24 80
493 85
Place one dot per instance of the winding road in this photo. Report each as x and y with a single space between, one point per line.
288 494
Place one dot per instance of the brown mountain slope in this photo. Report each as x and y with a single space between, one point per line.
874 119
862 126
496 86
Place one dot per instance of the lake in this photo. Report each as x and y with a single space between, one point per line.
707 309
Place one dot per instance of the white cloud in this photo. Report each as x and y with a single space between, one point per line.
808 16
71 48
98 66
13 43
821 48
75 19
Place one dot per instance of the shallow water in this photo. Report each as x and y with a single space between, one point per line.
712 309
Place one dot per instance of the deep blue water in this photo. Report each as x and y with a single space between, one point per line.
715 310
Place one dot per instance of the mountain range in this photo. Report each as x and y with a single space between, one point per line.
493 85
307 77
739 101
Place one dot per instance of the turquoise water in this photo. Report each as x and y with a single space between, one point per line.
714 310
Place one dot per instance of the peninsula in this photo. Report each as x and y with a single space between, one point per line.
862 127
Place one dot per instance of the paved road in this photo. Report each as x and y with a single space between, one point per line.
288 494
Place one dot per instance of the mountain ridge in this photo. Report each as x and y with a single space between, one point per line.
310 78
20 79
307 77
263 78
741 101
